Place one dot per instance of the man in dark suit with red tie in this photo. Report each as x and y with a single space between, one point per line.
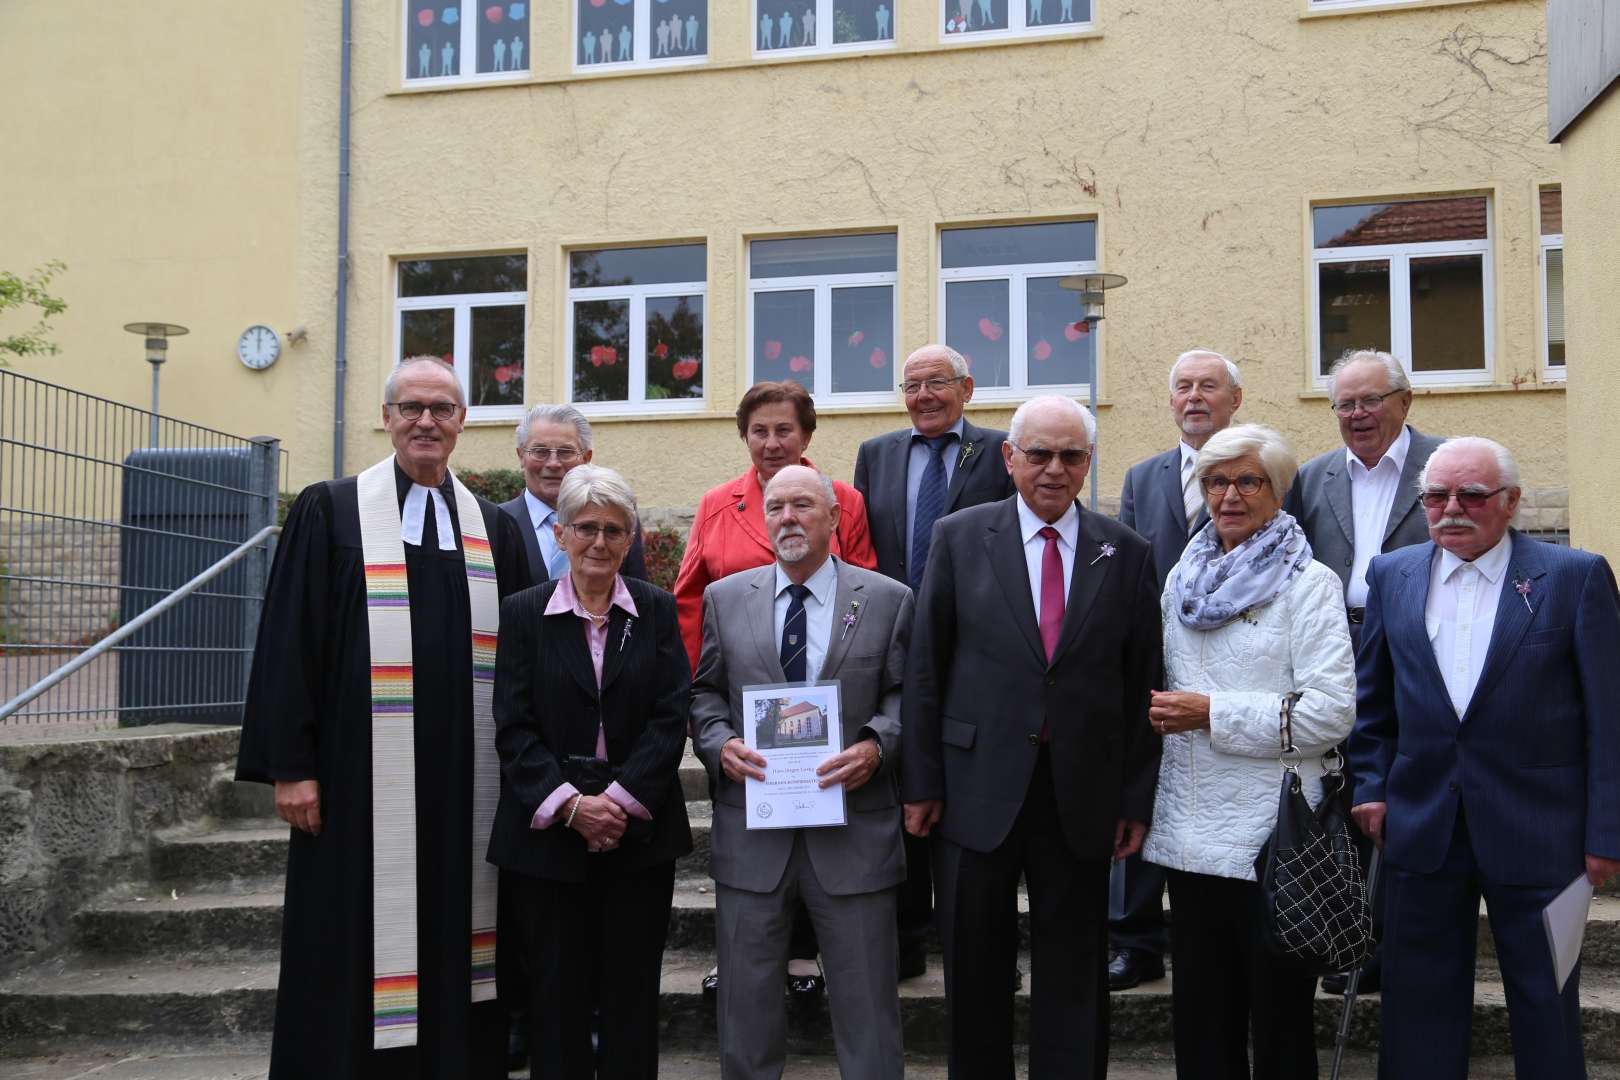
1027 745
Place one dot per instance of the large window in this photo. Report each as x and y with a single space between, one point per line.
821 312
463 40
975 19
1003 310
635 328
1552 281
1412 278
472 313
809 26
639 33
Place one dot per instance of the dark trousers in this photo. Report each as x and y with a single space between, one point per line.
595 945
1229 987
1431 923
977 900
914 911
1136 907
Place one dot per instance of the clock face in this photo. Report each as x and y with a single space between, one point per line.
258 347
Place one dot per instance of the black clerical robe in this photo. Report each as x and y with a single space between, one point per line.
308 716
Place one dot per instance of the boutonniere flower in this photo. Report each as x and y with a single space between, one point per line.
851 617
1522 585
625 636
1105 552
967 452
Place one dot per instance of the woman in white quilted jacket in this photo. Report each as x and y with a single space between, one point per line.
1248 618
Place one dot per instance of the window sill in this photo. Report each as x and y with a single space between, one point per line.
1322 11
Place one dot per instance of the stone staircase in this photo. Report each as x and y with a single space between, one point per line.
190 954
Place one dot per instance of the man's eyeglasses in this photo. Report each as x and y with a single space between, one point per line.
564 454
1041 457
1470 498
412 410
1247 484
588 531
1370 403
913 387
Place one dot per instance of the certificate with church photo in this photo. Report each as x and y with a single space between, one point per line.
794 727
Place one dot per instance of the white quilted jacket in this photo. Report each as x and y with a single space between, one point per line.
1217 798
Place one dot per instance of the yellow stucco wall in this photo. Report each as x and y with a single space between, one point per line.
1591 151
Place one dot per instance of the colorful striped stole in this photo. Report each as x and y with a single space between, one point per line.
395 990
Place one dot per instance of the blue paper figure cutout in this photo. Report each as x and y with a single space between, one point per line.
985 16
447 59
1066 12
517 54
587 43
624 42
604 45
451 16
517 11
691 31
882 21
1035 7
424 61
500 55
765 31
784 30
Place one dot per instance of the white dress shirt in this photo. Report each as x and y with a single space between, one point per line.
1068 529
1372 494
818 613
415 509
1461 613
542 517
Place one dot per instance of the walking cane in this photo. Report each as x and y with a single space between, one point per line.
1355 980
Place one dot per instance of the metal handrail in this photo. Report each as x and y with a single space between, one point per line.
126 631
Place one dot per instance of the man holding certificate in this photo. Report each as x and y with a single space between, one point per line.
806 654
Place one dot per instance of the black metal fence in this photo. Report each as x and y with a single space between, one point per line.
106 510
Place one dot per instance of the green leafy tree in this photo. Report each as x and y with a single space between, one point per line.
31 292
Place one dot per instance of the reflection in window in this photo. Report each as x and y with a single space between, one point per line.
967 18
639 32
821 25
1448 312
472 312
785 337
1352 308
439 35
863 340
601 350
1060 346
1552 279
636 327
495 375
976 319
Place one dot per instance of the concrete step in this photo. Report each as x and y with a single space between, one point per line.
159 922
234 848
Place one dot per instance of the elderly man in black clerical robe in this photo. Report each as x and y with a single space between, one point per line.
369 710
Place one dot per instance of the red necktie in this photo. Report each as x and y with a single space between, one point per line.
1051 592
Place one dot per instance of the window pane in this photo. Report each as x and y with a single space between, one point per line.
674 347
1555 305
1448 313
1552 211
432 39
976 322
1352 308
1419 222
601 350
1056 12
863 339
1060 346
636 266
1012 245
503 37
785 337
680 28
962 16
782 24
606 30
449 277
431 332
862 20
496 377
807 256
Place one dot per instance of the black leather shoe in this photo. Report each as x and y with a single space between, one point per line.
1131 968
1372 981
711 983
806 987
517 1046
913 962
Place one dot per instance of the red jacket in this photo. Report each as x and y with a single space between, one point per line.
728 536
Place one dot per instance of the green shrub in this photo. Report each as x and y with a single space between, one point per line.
496 485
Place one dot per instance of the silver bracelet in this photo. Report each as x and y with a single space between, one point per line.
569 824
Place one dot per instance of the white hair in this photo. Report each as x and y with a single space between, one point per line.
1267 444
1015 430
392 385
595 485
822 479
1392 367
1507 470
958 363
1195 354
555 414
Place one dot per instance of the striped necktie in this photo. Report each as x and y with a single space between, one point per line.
795 635
1192 496
930 504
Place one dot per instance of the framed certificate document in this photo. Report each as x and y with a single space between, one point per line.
794 727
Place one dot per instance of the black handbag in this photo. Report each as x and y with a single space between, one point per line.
591 776
1314 899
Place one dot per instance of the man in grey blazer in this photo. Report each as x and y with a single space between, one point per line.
910 479
806 617
1163 502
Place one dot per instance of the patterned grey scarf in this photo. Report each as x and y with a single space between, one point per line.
1212 587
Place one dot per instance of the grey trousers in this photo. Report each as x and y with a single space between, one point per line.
858 955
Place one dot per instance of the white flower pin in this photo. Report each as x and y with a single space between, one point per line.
1105 552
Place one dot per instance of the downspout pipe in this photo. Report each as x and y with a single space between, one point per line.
341 368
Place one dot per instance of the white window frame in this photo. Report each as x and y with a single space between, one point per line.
1017 13
463 304
1399 257
642 48
824 33
823 285
468 24
638 295
1549 370
1017 276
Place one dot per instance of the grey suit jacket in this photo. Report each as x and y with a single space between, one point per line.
635 560
1320 502
1151 504
739 649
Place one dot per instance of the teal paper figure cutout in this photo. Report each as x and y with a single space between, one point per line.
691 31
447 59
882 21
765 31
517 54
500 55
588 44
624 42
784 30
1066 11
604 42
984 12
424 61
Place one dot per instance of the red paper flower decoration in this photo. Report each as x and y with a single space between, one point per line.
503 374
990 329
799 363
424 17
661 350
1042 350
857 337
596 356
685 368
878 358
773 349
494 14
610 355
1076 331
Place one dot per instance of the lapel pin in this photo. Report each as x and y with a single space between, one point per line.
967 452
625 636
1522 585
851 617
1105 552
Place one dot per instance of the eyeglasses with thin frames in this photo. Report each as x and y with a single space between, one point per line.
1248 484
1468 498
914 387
1371 403
1040 457
564 454
588 531
413 410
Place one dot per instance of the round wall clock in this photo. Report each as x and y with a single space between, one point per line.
258 347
